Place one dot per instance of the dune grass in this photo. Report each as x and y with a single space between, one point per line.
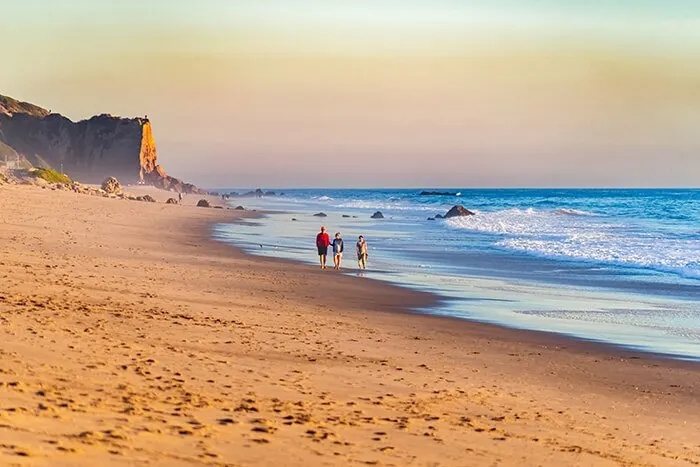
51 176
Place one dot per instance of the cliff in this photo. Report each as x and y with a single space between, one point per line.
89 150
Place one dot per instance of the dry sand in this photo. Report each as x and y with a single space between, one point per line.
128 337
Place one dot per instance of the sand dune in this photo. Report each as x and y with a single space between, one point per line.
128 337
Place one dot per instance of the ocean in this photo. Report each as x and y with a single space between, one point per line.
620 266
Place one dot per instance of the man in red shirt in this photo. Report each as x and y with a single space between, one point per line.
322 243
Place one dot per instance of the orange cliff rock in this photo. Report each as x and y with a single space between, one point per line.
89 150
147 155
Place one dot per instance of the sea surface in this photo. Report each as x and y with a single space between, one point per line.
617 266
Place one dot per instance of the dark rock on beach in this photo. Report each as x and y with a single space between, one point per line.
111 185
203 203
240 208
147 198
345 215
458 211
171 201
378 215
320 214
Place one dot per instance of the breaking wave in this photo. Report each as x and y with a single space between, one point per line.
583 236
386 205
573 212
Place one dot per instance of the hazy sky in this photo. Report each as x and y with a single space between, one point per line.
381 92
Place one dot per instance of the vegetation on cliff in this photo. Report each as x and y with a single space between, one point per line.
51 176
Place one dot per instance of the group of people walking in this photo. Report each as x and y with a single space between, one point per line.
323 241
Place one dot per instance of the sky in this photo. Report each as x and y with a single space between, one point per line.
381 93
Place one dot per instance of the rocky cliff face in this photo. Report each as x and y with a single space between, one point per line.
88 150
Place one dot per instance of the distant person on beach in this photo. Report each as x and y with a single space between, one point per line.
337 250
362 254
179 198
323 241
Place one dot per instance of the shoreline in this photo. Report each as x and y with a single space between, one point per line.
536 337
490 331
130 335
514 289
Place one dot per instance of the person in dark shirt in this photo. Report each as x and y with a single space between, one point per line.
322 243
337 250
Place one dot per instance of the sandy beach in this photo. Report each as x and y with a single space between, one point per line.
129 337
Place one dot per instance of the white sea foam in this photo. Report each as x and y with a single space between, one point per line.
583 237
395 205
528 222
671 256
573 212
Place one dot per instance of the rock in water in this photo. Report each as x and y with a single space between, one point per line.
320 214
258 193
438 193
203 203
458 211
377 215
171 201
112 186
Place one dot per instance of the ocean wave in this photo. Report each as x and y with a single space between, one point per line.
665 256
396 205
528 222
323 198
585 237
573 212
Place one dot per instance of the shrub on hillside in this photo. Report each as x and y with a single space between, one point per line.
51 176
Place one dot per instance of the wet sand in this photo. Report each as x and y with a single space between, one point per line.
129 337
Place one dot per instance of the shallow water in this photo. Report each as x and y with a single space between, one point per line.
618 266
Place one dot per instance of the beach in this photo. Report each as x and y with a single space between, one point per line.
130 337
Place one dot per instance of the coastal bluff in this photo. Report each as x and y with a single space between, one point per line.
88 150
